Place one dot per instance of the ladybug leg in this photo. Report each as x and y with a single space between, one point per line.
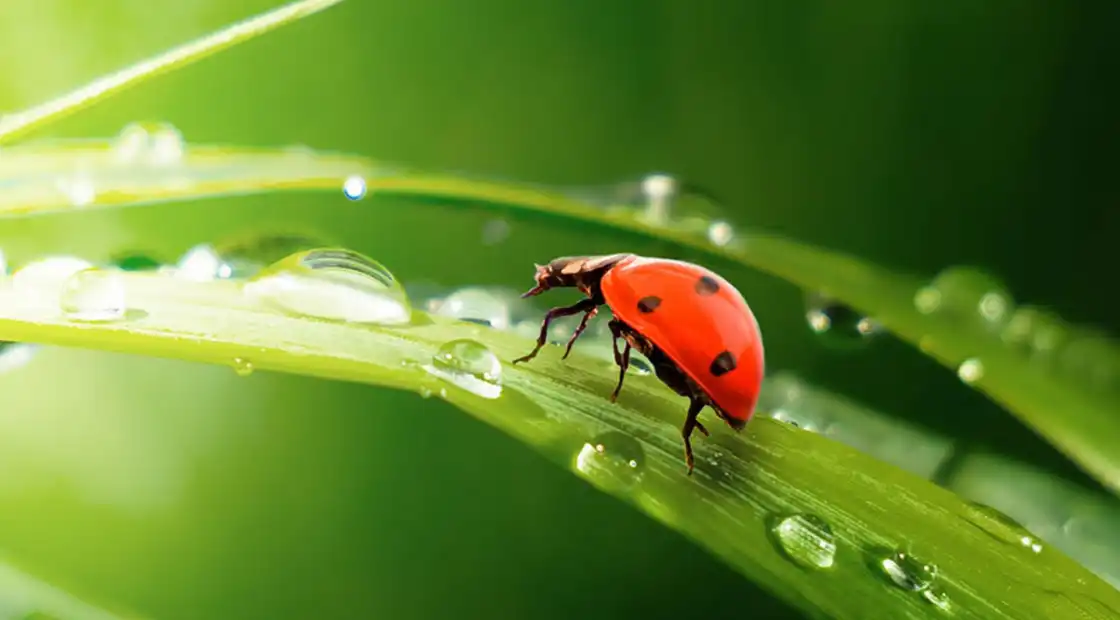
579 330
623 365
584 305
691 423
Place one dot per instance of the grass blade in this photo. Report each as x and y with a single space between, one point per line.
18 124
742 481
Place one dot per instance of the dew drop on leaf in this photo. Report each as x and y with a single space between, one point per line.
14 355
243 256
1003 528
908 572
43 279
481 305
94 295
334 284
806 540
79 189
938 599
612 460
838 324
469 365
720 233
156 144
1036 332
968 293
354 187
242 367
971 371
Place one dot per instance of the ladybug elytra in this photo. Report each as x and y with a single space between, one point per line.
693 326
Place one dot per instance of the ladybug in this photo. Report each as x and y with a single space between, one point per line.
693 326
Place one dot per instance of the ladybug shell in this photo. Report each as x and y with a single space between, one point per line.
699 320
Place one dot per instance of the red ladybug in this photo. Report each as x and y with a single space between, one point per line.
693 326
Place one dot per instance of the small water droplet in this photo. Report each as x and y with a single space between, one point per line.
425 393
242 367
971 371
469 365
937 598
908 572
354 187
158 144
967 292
612 460
78 189
659 191
478 304
1035 331
805 539
720 233
495 231
335 284
837 323
94 295
1003 527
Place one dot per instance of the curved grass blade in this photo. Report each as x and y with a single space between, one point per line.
17 124
48 176
1080 422
742 482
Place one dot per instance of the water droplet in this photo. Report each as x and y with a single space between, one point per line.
971 371
908 572
354 187
478 304
1092 357
1003 527
243 256
938 599
837 323
659 191
334 284
425 393
805 539
136 261
967 292
495 231
94 295
468 365
158 144
612 460
720 233
1035 331
242 367
14 355
43 279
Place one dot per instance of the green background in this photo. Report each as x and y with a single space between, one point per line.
913 134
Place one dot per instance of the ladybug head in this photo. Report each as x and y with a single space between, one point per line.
545 278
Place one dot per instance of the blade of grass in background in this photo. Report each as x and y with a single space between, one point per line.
812 520
18 124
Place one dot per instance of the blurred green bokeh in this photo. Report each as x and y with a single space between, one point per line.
911 134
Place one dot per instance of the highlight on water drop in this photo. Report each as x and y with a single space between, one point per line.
971 371
354 187
969 293
94 295
805 539
242 367
243 256
468 365
612 460
334 284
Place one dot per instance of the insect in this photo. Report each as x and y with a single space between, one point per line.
693 326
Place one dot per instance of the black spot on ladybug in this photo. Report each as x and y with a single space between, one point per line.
707 285
722 364
648 304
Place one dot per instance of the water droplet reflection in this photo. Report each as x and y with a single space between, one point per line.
613 460
469 365
805 539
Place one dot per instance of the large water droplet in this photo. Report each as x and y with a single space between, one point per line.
94 295
1003 528
837 323
243 256
969 293
42 280
469 365
335 284
157 144
805 539
612 460
908 572
483 305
